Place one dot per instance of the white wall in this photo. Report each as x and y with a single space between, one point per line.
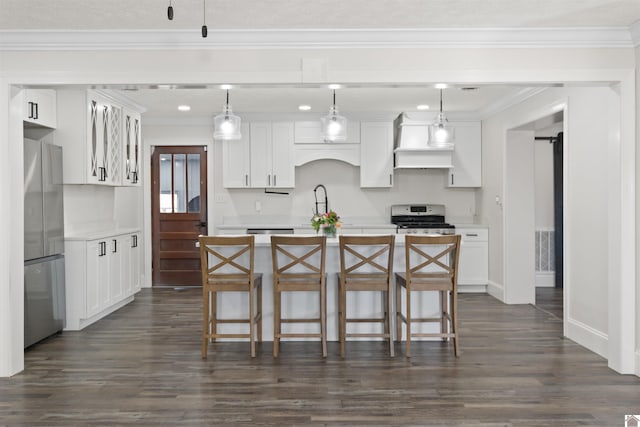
586 202
637 161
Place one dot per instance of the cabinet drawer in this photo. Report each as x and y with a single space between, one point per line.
473 234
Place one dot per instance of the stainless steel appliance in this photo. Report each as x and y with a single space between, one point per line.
44 289
425 219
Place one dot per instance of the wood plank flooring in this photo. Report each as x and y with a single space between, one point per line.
142 366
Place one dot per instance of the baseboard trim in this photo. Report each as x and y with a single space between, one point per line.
588 337
495 290
464 289
545 280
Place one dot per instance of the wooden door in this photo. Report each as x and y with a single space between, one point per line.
179 214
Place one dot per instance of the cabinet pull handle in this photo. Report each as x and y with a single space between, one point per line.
36 116
102 251
390 179
269 180
451 179
115 246
274 180
30 110
246 180
471 234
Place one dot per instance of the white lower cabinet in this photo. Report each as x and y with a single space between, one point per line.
102 275
473 265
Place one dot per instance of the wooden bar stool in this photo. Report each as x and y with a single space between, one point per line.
227 266
299 266
366 263
431 265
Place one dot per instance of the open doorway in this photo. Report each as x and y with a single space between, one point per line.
548 176
533 197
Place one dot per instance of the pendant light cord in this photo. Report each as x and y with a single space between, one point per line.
334 98
227 98
440 101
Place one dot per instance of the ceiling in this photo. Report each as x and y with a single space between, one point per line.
316 14
127 15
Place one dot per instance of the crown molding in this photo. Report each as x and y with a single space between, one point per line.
507 102
589 37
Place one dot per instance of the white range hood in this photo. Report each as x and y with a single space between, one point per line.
411 145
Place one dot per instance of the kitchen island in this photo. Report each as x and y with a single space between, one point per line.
302 304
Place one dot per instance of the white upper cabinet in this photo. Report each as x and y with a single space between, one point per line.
263 158
131 147
91 128
236 166
40 107
376 154
271 153
467 156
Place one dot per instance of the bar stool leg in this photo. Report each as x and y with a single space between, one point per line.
454 323
205 323
323 319
259 311
252 321
408 316
398 312
342 318
387 318
276 323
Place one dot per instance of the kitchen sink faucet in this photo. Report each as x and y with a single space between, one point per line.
326 201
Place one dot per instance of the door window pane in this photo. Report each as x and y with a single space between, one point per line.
179 183
166 199
193 182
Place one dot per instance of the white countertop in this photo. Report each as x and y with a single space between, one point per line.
100 234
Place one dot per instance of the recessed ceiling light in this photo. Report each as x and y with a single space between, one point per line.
422 107
225 87
304 107
334 86
184 107
441 86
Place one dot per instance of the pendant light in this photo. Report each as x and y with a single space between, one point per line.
441 134
334 126
204 25
226 125
170 11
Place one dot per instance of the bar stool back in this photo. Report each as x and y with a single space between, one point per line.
227 266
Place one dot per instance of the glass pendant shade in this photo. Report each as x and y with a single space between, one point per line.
226 125
440 133
334 126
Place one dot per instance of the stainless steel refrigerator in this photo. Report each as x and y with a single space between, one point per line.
44 288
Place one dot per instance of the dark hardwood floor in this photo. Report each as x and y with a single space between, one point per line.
550 300
142 366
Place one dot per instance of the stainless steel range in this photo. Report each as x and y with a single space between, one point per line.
420 219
